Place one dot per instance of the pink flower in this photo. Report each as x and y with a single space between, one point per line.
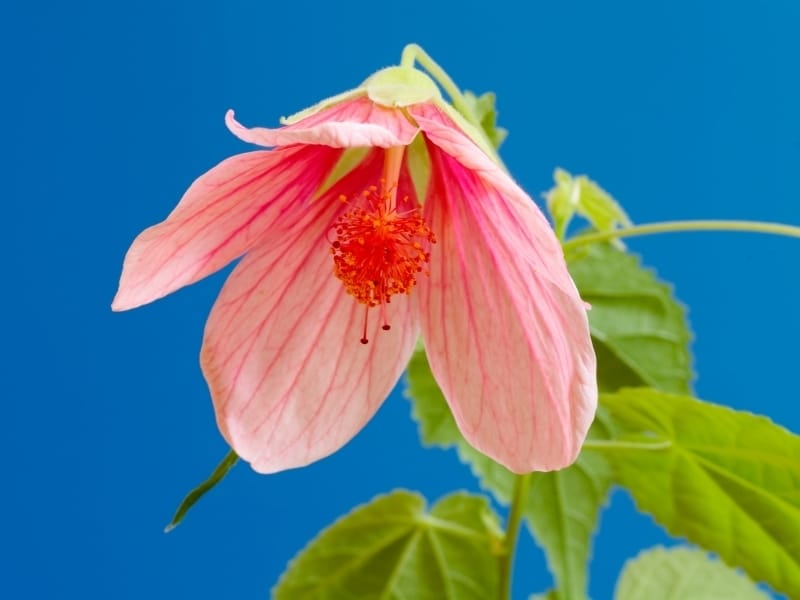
376 216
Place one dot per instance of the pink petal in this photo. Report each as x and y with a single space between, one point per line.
290 380
351 123
509 347
444 133
219 218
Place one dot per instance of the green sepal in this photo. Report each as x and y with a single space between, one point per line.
393 87
396 87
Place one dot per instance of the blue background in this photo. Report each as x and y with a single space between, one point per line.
680 109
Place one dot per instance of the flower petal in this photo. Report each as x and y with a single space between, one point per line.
290 380
510 349
352 123
444 133
220 217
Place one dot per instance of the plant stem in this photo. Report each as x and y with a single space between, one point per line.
678 226
522 484
413 52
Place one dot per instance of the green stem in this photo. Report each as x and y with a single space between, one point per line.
676 226
522 484
413 52
192 497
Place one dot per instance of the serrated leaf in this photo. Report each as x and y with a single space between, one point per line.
641 338
562 506
225 465
682 573
726 480
391 548
562 512
580 195
639 331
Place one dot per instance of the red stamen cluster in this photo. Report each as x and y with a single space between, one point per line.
378 251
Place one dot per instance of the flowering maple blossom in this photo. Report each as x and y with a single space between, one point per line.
376 216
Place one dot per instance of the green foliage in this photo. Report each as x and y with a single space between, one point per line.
639 330
484 111
580 195
641 338
726 480
685 573
562 506
562 512
194 496
392 549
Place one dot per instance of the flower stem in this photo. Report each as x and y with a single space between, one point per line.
413 52
522 484
678 226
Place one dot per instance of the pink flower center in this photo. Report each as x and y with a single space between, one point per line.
379 251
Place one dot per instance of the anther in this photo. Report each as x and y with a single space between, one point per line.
379 251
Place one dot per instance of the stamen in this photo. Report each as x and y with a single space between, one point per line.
385 318
364 339
378 251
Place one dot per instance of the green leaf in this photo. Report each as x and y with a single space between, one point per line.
580 195
392 549
562 506
562 512
192 497
640 333
641 338
682 573
483 109
726 480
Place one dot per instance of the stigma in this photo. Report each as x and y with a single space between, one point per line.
380 250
